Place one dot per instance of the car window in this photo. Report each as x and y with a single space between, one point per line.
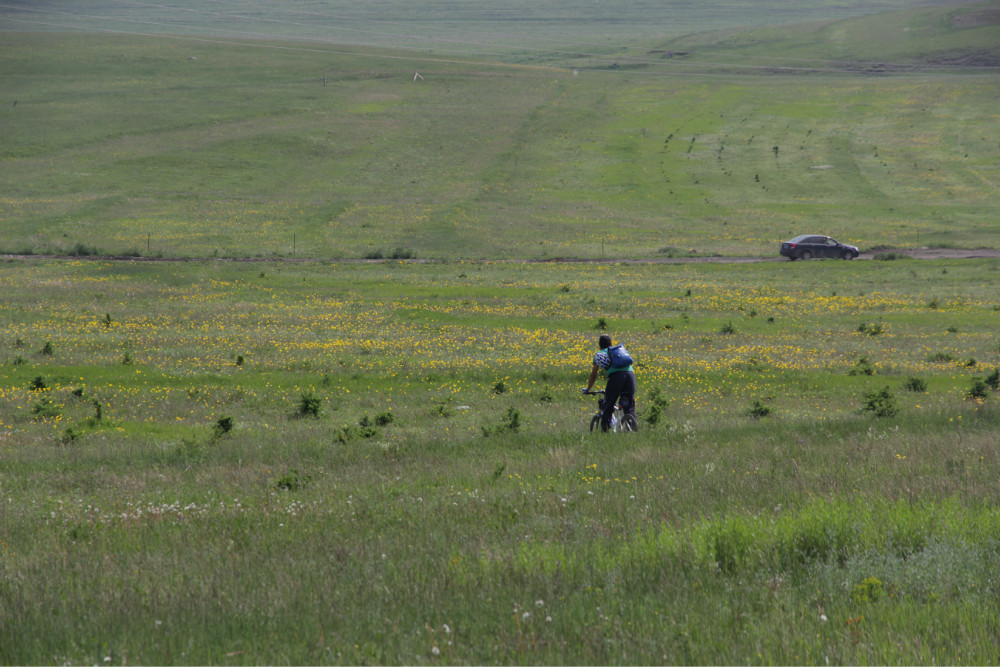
831 242
813 239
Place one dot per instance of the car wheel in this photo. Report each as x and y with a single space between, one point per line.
848 255
806 255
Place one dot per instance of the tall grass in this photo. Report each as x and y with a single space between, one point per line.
199 516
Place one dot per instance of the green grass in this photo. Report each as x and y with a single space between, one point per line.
316 461
166 147
408 522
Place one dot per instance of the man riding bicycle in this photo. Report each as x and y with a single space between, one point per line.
621 382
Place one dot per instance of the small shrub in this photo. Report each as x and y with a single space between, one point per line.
84 250
728 328
292 480
934 304
759 409
499 387
940 358
657 399
881 403
383 419
403 253
71 434
309 404
374 254
869 590
19 361
871 329
993 380
862 367
127 359
239 361
978 390
510 423
915 384
223 426
47 350
546 396
107 321
653 415
38 384
602 324
45 408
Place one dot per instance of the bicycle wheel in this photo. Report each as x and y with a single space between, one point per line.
595 423
629 424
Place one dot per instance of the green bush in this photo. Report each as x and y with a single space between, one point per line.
978 390
223 426
309 404
880 402
510 423
862 367
759 409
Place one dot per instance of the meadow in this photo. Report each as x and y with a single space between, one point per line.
304 462
288 374
155 146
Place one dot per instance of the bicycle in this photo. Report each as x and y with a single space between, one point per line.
620 422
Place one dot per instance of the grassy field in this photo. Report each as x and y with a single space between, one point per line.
508 30
154 146
283 440
243 463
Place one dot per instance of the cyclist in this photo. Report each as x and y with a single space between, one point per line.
621 383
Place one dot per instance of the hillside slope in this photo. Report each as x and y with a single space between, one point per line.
117 143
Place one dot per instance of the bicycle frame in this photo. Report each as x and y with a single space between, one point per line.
619 421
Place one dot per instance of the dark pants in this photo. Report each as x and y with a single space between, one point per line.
621 388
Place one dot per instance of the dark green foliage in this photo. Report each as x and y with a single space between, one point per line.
862 367
759 409
871 329
657 404
915 384
223 426
510 423
45 408
993 380
880 402
978 390
292 480
309 404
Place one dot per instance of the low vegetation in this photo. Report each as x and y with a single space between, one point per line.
351 431
359 490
